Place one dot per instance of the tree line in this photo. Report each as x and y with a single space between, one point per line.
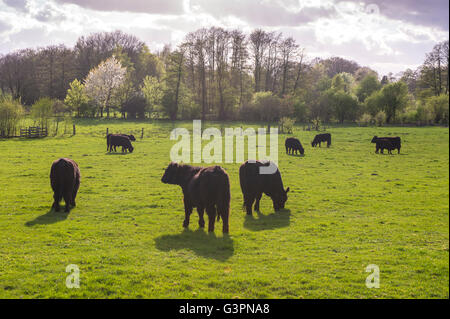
218 74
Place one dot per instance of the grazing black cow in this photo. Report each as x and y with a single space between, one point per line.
382 144
205 188
389 142
293 145
108 143
115 140
65 180
254 184
321 138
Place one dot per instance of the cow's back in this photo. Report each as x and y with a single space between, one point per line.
253 182
119 140
63 174
210 186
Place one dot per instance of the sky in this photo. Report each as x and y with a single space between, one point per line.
386 35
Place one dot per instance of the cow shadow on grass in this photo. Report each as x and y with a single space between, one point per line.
296 155
279 219
116 153
50 217
200 242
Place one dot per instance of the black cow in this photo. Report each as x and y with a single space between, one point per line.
293 145
114 140
390 143
65 180
205 188
321 138
254 184
108 143
382 144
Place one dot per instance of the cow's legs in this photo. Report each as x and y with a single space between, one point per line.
68 200
211 212
201 220
75 191
258 198
57 199
187 214
225 226
248 202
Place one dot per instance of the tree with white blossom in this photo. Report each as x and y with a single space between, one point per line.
103 81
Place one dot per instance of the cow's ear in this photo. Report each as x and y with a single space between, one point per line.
287 190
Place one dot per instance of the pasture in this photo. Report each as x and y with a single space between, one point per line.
347 208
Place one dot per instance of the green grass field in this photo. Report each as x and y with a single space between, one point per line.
348 207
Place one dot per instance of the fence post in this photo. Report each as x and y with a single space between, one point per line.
74 130
107 131
142 133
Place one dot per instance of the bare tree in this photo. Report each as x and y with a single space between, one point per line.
259 41
288 48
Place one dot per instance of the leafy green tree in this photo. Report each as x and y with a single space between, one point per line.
373 103
343 105
300 110
380 118
394 98
76 99
42 111
11 112
367 86
343 82
153 91
268 106
365 120
135 106
439 107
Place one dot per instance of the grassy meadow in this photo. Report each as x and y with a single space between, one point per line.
348 207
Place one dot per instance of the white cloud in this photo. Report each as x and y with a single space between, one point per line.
324 27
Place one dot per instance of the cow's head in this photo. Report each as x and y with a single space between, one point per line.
131 137
279 200
302 150
130 148
374 140
171 174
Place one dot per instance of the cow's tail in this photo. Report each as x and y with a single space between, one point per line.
223 207
107 142
243 183
57 178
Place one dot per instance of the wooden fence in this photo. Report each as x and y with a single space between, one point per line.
33 132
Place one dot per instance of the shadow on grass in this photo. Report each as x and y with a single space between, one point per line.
275 220
50 218
200 242
118 153
296 155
